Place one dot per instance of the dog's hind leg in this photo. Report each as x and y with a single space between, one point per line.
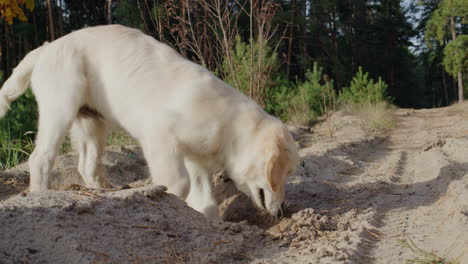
201 196
54 121
88 134
59 85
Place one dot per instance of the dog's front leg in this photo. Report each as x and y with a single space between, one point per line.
166 165
201 196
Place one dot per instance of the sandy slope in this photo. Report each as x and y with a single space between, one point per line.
353 197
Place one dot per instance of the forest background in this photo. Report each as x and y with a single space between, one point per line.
299 59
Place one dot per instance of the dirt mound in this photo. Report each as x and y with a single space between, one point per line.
354 199
136 225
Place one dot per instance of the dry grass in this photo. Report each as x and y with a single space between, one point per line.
424 257
120 138
374 118
115 138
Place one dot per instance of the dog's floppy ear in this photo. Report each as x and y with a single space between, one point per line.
274 168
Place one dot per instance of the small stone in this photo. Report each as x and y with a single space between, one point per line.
341 256
81 208
236 228
164 225
32 250
342 226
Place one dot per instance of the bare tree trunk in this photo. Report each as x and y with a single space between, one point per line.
60 14
460 87
36 37
7 51
290 42
444 82
459 74
109 12
51 21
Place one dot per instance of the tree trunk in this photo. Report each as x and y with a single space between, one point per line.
51 21
60 14
444 83
109 12
7 51
2 66
460 87
290 42
36 37
459 74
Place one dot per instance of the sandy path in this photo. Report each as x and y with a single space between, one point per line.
411 184
423 205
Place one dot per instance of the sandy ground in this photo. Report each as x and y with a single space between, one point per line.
352 199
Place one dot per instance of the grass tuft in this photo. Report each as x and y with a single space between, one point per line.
120 138
14 151
374 117
424 257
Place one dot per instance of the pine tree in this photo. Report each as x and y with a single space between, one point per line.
446 19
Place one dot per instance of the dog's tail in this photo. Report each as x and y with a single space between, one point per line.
19 81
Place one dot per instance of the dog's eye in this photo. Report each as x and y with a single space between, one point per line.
261 194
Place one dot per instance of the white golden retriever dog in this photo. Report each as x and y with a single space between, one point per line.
188 122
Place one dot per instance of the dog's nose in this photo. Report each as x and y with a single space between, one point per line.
279 213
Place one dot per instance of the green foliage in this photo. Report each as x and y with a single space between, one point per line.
302 102
120 138
317 95
456 55
279 97
16 130
443 25
22 117
438 26
363 90
127 14
251 68
13 151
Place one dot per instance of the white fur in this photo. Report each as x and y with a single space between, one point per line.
188 122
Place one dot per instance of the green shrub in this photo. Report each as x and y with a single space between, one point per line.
16 130
302 102
279 98
251 68
368 101
363 90
319 97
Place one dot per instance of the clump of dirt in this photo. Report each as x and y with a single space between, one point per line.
13 182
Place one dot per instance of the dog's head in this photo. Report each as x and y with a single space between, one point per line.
273 157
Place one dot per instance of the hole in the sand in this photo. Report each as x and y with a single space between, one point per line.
240 208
